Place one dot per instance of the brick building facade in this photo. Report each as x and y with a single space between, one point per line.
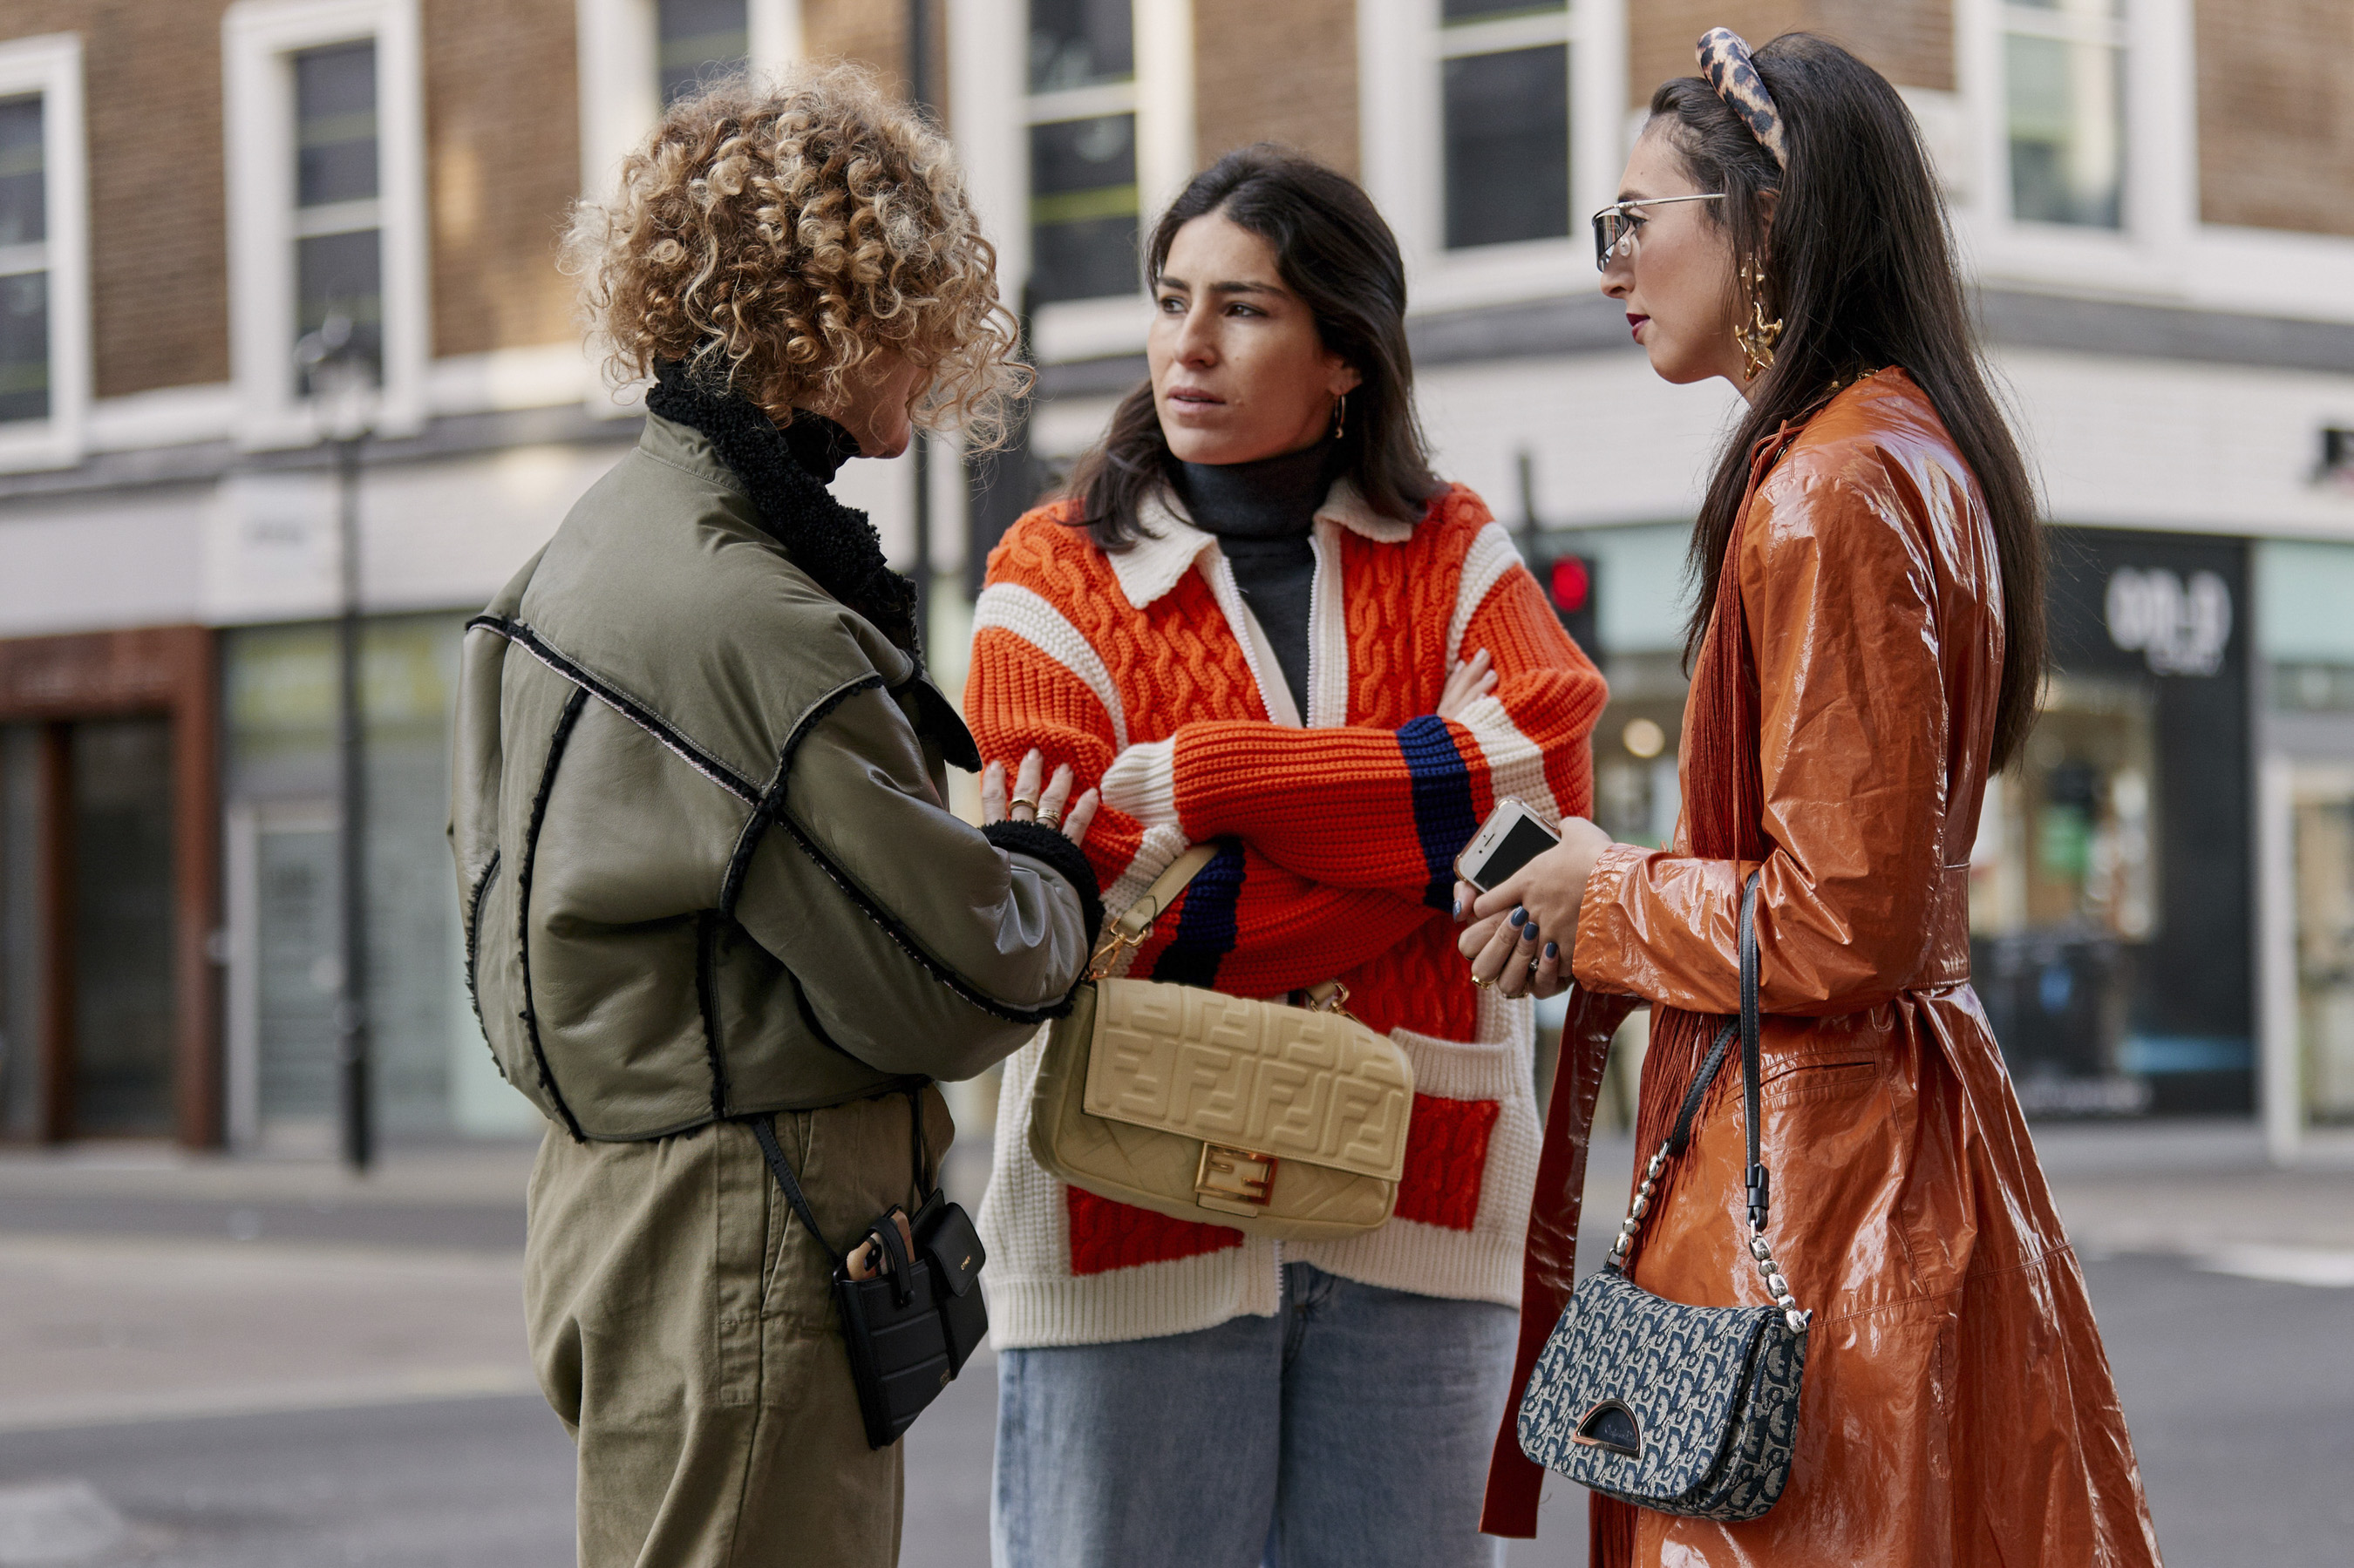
2156 200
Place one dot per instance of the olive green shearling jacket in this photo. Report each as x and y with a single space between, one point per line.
702 856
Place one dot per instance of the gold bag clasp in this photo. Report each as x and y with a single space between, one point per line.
1234 1181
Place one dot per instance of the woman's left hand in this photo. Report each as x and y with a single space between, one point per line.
1523 930
1029 803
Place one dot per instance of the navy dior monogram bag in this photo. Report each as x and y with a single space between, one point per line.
1687 1409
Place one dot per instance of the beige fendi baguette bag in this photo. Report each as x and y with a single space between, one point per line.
1286 1122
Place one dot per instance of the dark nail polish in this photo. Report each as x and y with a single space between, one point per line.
1520 918
1529 932
1553 950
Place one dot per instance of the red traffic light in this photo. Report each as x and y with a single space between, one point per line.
1571 585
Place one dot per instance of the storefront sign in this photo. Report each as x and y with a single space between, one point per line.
2180 628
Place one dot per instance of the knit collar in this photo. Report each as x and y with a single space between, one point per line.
786 473
1171 545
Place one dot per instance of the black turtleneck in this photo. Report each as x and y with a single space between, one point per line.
819 445
1263 513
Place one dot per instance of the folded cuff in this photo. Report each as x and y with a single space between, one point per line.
1059 854
1142 782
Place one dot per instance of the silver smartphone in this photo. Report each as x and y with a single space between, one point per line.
1511 838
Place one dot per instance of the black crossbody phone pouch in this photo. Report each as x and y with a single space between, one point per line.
1687 1409
910 1329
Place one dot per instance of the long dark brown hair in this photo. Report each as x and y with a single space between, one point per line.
1858 264
1333 250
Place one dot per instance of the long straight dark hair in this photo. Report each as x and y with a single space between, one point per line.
1333 250
1858 264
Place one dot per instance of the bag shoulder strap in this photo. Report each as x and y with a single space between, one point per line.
1135 923
1139 916
764 1130
1747 1029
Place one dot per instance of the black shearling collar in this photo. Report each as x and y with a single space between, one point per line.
787 471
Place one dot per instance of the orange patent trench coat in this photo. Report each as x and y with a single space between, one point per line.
1958 1407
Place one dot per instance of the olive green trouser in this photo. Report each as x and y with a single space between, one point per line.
682 1325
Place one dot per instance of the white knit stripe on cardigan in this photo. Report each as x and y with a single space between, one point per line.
1008 607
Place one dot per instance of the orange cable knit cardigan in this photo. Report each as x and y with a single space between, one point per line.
1143 671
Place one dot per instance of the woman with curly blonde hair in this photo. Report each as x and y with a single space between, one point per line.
721 928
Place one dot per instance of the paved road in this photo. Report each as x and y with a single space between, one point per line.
2241 1394
170 1396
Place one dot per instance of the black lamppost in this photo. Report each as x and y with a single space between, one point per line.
339 375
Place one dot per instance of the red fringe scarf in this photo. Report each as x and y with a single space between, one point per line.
1724 804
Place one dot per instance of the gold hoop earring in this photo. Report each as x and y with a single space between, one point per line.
1340 415
1756 336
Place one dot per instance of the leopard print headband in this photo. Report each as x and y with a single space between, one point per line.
1725 60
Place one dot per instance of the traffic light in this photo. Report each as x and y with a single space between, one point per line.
1569 583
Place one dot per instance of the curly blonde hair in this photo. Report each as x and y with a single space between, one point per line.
776 235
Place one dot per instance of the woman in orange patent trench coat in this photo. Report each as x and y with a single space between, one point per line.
1957 1406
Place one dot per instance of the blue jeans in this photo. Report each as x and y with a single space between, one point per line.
1351 1428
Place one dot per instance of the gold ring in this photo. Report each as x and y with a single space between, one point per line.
1020 800
1482 984
1051 820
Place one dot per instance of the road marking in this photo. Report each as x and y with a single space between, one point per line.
2283 1265
57 1521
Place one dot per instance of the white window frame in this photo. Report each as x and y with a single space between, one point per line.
2159 193
620 90
1402 45
2116 33
989 91
50 65
258 39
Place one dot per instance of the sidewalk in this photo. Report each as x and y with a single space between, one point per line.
2177 1187
455 1174
2200 1188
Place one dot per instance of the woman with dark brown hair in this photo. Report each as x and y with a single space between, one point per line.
1258 620
1866 650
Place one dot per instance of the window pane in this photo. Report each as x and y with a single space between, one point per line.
699 39
1481 10
2067 131
341 274
1507 146
335 124
25 347
1074 43
2103 9
1083 208
23 219
123 1001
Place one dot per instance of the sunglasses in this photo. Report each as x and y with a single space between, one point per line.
1614 226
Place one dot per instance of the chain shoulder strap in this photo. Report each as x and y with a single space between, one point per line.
1759 1186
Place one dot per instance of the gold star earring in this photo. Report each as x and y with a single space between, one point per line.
1756 335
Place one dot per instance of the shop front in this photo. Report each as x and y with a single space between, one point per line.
2114 885
433 1076
2111 880
109 887
2306 744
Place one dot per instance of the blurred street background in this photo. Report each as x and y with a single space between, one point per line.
289 385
